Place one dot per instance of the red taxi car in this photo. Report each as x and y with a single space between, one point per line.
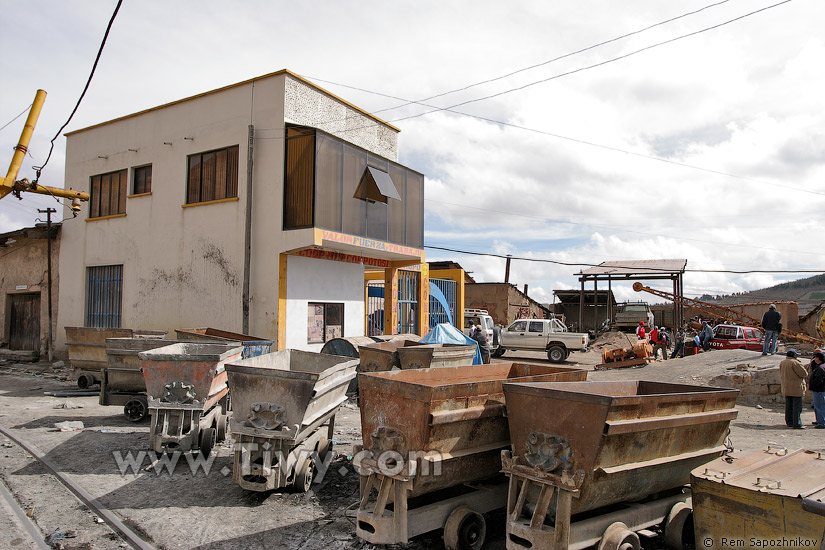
737 337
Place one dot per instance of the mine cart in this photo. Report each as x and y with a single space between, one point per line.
413 355
582 450
188 396
122 381
432 441
252 345
284 406
87 350
758 497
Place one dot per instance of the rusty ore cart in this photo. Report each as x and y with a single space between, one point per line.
581 450
414 355
284 411
758 497
188 395
431 454
87 350
252 345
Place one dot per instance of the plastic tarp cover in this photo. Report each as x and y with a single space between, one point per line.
446 333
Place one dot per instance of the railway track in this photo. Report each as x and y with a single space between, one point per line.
109 517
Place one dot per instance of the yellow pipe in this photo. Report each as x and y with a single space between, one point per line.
55 191
23 144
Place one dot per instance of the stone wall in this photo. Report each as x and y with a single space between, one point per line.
755 384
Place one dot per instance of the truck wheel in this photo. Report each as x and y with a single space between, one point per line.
498 352
556 354
465 529
135 409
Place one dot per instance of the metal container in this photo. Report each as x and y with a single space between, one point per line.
620 441
87 346
349 346
413 355
187 372
281 400
123 352
454 415
252 345
379 357
756 495
187 394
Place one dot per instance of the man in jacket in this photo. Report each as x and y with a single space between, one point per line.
660 343
817 386
770 322
679 340
793 376
706 335
481 338
640 330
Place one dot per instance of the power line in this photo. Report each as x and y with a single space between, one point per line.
582 50
612 228
605 62
15 118
88 82
635 267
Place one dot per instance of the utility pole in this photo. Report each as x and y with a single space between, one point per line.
507 269
49 212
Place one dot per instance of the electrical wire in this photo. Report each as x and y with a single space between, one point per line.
600 64
88 82
634 267
15 118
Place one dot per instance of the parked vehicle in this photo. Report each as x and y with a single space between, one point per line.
480 317
737 337
548 335
629 314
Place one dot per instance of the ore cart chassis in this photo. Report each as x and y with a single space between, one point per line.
135 403
264 462
617 529
186 426
387 516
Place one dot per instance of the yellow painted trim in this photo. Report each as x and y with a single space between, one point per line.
456 275
281 341
391 309
139 195
251 80
373 275
228 199
110 216
424 300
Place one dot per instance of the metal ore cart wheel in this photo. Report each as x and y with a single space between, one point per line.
675 524
208 438
304 476
619 537
136 409
223 426
465 529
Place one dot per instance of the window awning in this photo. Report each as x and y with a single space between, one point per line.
376 185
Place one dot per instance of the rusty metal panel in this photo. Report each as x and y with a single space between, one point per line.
280 394
756 495
252 345
413 355
87 346
629 439
456 414
188 373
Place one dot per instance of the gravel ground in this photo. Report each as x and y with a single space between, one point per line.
180 509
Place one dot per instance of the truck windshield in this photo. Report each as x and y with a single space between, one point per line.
634 309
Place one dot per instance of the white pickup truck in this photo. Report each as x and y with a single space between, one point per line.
548 335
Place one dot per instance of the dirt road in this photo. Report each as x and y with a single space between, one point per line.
175 507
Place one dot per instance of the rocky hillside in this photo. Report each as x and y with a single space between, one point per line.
808 292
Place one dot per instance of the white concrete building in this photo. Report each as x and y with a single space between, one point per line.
254 208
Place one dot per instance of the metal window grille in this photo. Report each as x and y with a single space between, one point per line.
408 302
437 312
375 308
104 296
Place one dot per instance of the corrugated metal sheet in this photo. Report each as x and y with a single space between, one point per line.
637 267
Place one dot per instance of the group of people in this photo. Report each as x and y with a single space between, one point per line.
795 376
662 341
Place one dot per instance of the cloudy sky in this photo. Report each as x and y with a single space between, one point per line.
553 135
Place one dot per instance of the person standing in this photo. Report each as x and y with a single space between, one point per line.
706 336
770 322
817 387
640 330
659 343
481 338
793 375
678 343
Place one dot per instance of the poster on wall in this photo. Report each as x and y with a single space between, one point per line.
334 331
315 324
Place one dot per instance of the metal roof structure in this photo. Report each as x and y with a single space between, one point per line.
638 268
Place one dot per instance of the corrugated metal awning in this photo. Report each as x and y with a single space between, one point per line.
637 267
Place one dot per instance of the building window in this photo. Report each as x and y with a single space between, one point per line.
142 178
108 194
212 175
104 296
324 322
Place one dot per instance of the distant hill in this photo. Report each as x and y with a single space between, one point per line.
808 293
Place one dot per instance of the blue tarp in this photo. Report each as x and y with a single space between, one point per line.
446 333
